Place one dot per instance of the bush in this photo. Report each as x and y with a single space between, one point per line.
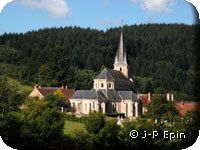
116 115
95 122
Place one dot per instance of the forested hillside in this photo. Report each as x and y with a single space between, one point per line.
160 56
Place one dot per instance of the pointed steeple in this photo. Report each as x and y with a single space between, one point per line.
121 52
120 59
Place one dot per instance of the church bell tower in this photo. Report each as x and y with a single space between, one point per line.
120 59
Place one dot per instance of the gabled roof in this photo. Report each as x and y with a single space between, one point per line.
113 75
44 91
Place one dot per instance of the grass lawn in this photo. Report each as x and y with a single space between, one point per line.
71 126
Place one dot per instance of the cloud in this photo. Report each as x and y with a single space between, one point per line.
157 6
3 3
55 8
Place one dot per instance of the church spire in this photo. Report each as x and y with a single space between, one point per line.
120 59
121 53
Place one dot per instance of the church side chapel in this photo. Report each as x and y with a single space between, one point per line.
111 91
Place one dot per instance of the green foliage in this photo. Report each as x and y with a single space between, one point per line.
108 135
10 100
59 93
143 84
95 122
116 115
162 52
57 101
189 125
83 79
9 55
161 109
42 124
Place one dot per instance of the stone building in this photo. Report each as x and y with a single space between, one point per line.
41 92
111 91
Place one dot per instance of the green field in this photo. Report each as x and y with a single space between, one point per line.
71 127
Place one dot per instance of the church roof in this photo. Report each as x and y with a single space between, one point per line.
89 94
113 75
105 95
128 95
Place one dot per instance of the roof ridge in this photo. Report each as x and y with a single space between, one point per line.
111 75
120 95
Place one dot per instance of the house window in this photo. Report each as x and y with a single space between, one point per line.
101 84
85 107
109 85
93 105
90 106
99 106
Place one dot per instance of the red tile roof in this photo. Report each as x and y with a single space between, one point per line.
183 107
67 92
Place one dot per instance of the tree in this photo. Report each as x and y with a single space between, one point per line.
148 87
42 125
59 93
108 136
189 125
159 108
10 100
57 101
59 65
95 122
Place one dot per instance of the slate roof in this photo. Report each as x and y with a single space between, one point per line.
128 95
46 90
112 75
104 95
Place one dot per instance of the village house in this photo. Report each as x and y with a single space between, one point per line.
41 92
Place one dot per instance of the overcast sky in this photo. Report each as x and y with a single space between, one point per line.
27 15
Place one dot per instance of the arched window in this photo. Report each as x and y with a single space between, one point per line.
101 84
109 85
120 69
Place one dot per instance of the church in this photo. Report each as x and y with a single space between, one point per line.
111 91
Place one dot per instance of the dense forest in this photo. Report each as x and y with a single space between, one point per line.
160 56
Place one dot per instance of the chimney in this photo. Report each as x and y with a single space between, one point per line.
40 86
182 103
62 86
167 96
35 87
149 96
172 97
66 87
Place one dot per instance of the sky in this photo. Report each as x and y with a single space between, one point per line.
21 16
